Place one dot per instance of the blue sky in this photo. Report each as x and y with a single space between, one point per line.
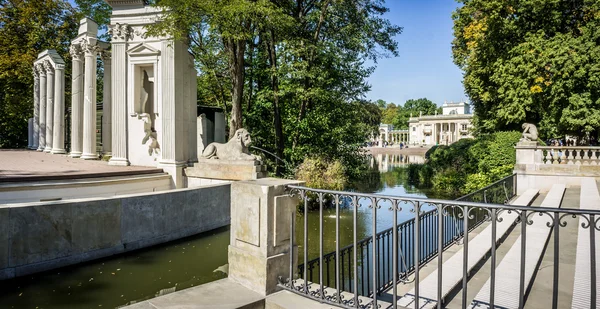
424 67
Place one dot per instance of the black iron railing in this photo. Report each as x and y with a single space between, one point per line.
498 193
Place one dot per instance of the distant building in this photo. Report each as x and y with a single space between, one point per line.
388 134
453 124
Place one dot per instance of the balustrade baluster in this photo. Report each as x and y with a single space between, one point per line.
585 157
548 156
571 157
578 156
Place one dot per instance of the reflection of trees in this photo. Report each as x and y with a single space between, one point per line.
346 223
370 182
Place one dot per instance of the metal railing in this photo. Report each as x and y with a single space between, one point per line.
498 192
348 295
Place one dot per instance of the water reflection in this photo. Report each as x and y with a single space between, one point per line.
392 179
120 280
387 162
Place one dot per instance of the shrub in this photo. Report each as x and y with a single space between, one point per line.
320 173
467 165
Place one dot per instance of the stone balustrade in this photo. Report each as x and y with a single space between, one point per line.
586 155
535 164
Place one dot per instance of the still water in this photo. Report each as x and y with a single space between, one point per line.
389 177
121 280
139 275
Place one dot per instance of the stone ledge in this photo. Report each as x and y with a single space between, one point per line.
226 169
221 294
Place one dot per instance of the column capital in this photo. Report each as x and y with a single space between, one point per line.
48 66
59 66
90 47
39 67
76 51
35 73
120 32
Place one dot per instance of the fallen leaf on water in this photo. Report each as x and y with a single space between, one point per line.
112 274
91 279
20 294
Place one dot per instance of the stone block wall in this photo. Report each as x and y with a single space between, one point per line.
41 236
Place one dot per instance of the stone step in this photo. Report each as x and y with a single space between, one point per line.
590 199
220 294
508 273
452 269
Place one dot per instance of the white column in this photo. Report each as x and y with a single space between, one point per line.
120 34
193 115
49 104
58 140
89 103
42 126
29 132
106 105
36 108
76 101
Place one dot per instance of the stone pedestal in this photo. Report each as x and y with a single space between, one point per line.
261 213
526 152
227 169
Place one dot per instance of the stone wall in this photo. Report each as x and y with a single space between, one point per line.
41 236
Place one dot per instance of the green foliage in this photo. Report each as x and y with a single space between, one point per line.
26 29
98 11
531 61
398 115
297 66
320 173
467 165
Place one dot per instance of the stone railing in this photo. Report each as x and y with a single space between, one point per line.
586 155
541 166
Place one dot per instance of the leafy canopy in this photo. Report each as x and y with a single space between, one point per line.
531 61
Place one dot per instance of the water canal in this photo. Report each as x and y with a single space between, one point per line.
139 275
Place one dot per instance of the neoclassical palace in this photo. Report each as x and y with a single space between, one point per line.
428 130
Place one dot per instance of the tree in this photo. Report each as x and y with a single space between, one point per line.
26 29
531 61
415 108
389 113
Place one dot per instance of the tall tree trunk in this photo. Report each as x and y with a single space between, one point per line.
279 142
236 50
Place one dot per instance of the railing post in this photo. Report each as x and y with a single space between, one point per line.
260 238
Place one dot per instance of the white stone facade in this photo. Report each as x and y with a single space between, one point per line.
388 134
153 93
48 126
453 125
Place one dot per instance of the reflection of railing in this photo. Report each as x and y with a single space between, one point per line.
498 192
388 257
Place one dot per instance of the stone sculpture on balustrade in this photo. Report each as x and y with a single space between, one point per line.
229 161
530 133
235 149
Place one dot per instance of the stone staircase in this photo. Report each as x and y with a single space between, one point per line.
574 262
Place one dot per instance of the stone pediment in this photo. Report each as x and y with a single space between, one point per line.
143 49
